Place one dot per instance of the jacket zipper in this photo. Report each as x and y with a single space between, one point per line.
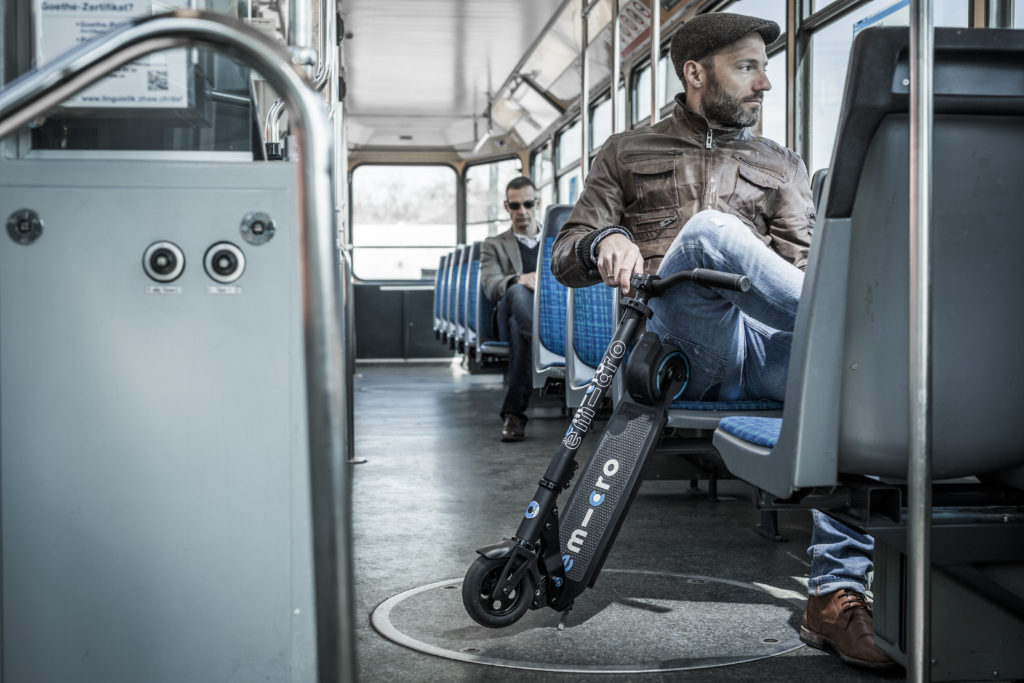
662 222
706 200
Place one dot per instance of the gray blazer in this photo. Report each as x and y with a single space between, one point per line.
500 264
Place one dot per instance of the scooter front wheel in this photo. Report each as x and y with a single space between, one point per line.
481 578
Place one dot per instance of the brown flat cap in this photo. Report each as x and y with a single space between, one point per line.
707 33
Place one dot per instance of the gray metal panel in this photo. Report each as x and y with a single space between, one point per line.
155 497
977 332
847 389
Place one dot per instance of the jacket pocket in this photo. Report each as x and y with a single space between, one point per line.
755 192
646 227
655 184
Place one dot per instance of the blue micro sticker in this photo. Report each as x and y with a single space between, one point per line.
532 509
567 562
596 498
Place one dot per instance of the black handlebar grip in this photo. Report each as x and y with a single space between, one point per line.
714 278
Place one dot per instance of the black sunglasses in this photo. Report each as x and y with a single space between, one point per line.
529 204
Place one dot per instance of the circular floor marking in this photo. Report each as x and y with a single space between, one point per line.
632 621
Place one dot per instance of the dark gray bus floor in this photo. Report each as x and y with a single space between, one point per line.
437 484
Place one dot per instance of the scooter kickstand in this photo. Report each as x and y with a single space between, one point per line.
564 617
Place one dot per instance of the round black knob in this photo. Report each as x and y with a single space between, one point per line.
163 261
224 263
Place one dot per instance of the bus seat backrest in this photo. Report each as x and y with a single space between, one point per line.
847 394
472 292
551 293
446 291
481 309
439 291
460 306
592 322
817 185
453 288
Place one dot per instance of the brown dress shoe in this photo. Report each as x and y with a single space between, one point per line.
841 621
514 428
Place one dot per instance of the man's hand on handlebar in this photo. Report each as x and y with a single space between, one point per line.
618 260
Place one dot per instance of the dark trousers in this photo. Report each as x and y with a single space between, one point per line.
515 325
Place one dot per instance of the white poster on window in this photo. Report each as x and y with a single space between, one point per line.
159 80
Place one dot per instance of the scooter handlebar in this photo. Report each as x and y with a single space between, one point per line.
702 276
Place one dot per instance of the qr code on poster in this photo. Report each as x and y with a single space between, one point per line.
157 80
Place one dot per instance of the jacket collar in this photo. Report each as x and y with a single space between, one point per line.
690 124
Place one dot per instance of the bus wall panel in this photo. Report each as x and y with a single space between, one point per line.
153 444
393 322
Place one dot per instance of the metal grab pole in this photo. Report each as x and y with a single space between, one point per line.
657 85
919 459
584 92
616 66
37 92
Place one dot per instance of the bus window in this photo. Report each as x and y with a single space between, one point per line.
668 76
403 220
773 110
641 97
775 10
179 101
485 198
569 187
600 123
543 168
830 52
543 174
1018 13
601 119
567 149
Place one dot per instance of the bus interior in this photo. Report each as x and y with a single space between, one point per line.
250 383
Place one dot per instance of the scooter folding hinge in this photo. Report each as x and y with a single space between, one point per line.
549 485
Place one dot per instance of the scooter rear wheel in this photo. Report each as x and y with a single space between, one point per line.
481 578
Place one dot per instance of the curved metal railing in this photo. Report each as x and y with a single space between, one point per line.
327 58
326 346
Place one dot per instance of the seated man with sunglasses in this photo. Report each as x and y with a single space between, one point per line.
508 265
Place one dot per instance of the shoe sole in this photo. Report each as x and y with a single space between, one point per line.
816 640
510 439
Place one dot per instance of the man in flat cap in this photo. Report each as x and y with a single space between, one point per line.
699 190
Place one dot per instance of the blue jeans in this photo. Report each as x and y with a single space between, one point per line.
840 557
515 325
738 346
737 342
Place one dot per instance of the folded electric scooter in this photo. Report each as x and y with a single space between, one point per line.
553 558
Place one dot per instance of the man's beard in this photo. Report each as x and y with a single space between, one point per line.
723 108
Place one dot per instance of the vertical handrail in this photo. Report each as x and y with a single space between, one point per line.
616 65
657 85
327 57
919 466
37 92
584 91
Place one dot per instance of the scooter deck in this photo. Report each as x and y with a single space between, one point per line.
603 493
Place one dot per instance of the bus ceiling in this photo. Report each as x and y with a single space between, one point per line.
477 79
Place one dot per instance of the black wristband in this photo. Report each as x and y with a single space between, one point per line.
583 250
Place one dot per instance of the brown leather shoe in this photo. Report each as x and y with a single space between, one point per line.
841 621
514 428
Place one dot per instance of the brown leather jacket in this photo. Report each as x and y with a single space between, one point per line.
651 181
